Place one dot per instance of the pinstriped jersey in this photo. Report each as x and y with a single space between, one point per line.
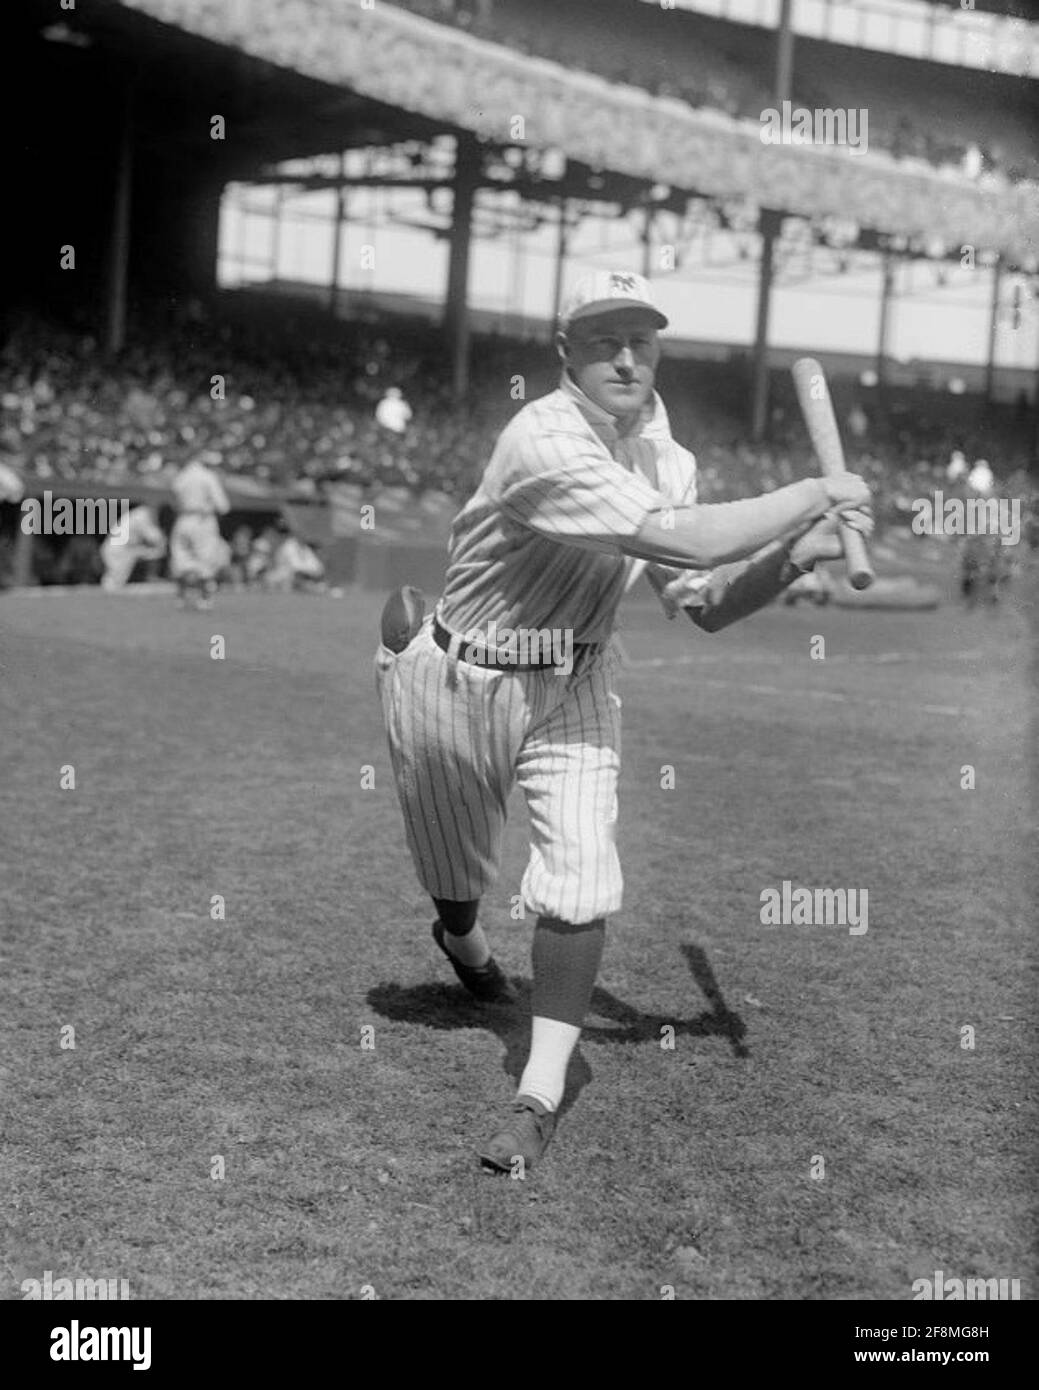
538 544
197 489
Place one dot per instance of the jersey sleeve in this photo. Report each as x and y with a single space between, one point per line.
149 531
561 485
677 588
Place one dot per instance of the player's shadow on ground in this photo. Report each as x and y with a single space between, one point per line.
610 1020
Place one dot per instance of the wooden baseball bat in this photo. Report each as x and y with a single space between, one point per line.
813 395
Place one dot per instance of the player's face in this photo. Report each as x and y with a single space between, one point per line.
613 359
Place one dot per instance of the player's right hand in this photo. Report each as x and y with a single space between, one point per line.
846 491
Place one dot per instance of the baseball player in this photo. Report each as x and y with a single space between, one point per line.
141 539
295 564
585 490
198 552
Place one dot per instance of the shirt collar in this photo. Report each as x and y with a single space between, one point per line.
652 423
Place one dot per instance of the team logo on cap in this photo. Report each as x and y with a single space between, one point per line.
627 284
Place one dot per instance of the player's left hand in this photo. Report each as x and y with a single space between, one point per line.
822 540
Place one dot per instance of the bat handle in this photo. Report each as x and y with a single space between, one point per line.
856 558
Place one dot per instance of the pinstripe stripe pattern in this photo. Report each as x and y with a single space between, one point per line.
537 544
461 737
537 547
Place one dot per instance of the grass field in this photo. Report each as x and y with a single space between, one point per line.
347 1167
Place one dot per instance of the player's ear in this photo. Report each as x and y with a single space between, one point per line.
562 346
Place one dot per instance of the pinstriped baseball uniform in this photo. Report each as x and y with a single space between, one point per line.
537 547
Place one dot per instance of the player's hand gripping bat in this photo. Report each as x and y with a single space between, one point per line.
813 395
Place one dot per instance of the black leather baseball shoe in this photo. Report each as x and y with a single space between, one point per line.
488 983
525 1136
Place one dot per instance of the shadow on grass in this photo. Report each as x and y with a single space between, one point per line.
610 1020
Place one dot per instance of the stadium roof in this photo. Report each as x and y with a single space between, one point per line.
294 79
724 9
272 111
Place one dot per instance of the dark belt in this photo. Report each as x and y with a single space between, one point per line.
476 655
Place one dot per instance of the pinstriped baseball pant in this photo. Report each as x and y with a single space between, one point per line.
462 736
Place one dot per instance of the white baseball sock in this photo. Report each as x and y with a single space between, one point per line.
470 949
551 1046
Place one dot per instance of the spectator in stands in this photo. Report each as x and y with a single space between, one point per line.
11 486
858 423
393 412
957 469
980 479
973 163
241 548
261 555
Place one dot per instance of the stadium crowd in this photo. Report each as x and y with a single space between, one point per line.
271 413
706 77
371 406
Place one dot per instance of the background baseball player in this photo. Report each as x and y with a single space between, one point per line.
141 539
584 490
295 564
198 552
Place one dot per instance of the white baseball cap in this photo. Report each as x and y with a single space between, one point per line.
603 291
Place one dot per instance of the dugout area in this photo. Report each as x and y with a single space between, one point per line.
348 554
